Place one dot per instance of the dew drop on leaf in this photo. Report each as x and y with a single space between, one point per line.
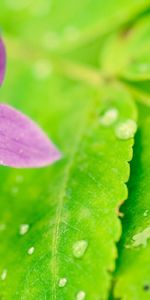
23 229
126 130
4 274
81 295
62 282
31 250
109 117
79 248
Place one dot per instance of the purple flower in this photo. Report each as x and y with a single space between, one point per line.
22 143
2 61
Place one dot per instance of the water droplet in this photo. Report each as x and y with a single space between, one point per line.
23 229
146 213
109 117
141 238
4 274
31 250
42 69
81 295
62 282
126 130
79 248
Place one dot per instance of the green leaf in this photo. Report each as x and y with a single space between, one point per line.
63 24
71 207
133 270
130 48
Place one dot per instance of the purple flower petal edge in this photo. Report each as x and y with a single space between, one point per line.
2 61
22 143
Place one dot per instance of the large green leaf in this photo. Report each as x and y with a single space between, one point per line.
133 270
72 207
63 24
76 200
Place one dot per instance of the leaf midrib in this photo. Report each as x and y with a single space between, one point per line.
55 234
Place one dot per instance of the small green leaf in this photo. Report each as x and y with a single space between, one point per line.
131 49
133 271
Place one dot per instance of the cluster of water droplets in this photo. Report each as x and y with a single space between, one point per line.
124 130
78 249
23 228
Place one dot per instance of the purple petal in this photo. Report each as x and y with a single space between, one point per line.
2 61
22 143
